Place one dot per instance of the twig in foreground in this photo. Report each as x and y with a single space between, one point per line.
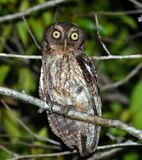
136 3
115 57
29 11
72 114
121 57
19 56
31 34
8 151
43 155
112 149
123 81
99 36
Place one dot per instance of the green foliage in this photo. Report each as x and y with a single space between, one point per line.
3 73
86 24
11 125
22 31
131 156
27 80
120 35
136 105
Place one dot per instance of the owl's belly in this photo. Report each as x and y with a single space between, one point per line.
68 87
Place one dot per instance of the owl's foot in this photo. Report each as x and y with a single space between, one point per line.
52 104
66 109
40 110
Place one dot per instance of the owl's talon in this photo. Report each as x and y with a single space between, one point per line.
40 110
51 104
66 109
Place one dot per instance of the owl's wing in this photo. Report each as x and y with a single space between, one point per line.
43 90
91 78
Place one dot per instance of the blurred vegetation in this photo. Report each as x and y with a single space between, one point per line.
118 33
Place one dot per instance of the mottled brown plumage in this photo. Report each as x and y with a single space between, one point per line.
68 77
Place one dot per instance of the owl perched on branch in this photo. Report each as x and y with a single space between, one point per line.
69 78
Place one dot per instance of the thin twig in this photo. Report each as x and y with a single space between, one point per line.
115 13
31 34
29 11
28 129
31 144
136 56
19 56
136 3
115 57
125 80
99 155
73 114
128 143
44 155
105 154
8 151
99 36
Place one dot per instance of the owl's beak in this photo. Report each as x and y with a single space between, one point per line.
65 45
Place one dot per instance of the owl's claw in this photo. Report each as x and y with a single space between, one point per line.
51 104
65 110
40 110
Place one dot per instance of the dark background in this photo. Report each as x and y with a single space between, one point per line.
121 34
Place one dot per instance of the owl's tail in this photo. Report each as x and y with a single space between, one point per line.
87 145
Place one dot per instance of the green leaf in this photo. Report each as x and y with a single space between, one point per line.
37 28
23 33
86 24
24 5
129 21
107 29
5 35
119 44
26 81
47 17
136 105
43 132
116 108
117 132
11 125
3 73
136 98
131 156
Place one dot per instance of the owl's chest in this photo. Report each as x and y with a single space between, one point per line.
65 80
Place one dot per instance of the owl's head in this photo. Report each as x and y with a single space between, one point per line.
64 38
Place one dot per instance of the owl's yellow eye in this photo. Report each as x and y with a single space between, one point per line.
56 34
74 36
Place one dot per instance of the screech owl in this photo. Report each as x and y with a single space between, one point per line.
68 77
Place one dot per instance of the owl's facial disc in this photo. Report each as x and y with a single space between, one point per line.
65 38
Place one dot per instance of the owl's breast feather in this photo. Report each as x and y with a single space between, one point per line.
66 83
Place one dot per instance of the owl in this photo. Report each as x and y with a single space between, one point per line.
69 78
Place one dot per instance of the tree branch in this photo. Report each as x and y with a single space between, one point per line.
99 36
29 11
19 56
115 57
136 56
136 3
30 33
72 114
